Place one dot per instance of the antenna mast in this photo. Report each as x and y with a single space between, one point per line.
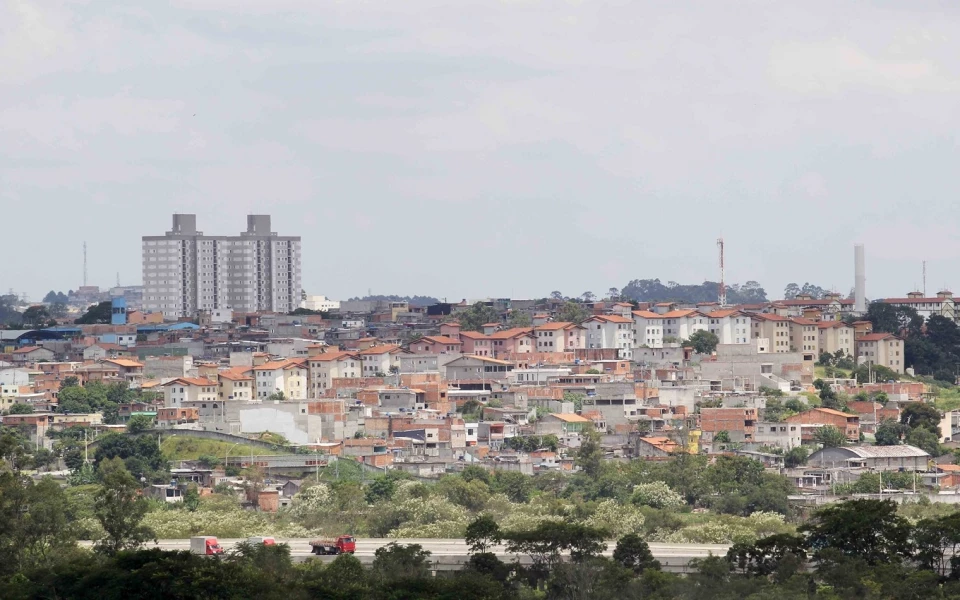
84 264
722 292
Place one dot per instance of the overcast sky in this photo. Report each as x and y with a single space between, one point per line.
465 149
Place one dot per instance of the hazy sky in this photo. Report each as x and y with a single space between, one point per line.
464 149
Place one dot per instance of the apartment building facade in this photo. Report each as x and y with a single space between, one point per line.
185 271
883 349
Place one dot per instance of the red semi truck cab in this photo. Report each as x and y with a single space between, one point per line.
345 544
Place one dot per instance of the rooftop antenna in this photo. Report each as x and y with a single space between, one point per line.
118 278
722 292
84 264
924 279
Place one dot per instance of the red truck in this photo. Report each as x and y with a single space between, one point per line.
345 544
206 545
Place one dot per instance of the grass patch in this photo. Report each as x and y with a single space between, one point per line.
189 448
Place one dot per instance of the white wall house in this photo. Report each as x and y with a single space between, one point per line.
189 389
681 324
730 326
326 367
558 337
610 331
648 329
288 377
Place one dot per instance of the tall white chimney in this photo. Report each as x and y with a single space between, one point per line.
860 282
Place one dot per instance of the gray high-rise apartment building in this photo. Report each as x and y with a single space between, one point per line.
185 271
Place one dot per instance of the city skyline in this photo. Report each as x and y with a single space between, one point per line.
578 144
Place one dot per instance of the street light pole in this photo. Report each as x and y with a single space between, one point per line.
227 456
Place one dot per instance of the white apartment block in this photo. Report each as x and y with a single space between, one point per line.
730 326
943 305
648 329
186 271
680 324
610 331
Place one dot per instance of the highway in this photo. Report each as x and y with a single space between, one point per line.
451 554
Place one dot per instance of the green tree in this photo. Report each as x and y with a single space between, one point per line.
97 314
889 432
919 414
141 455
396 562
516 486
830 437
937 541
34 523
20 409
519 318
590 455
482 534
573 312
475 317
70 381
36 316
703 342
795 457
924 439
633 553
722 437
139 423
870 530
120 509
766 556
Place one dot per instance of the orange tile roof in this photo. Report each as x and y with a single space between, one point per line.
555 326
507 334
876 337
722 314
280 364
440 339
236 374
332 356
769 317
610 319
832 325
646 314
663 443
384 349
680 314
197 381
123 362
570 418
473 335
26 349
802 321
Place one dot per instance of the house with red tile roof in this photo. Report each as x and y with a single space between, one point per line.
883 349
476 343
326 367
731 326
288 377
833 336
774 328
32 354
559 336
820 417
189 389
610 331
235 384
942 304
436 344
517 340
379 359
804 335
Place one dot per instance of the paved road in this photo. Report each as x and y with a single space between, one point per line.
442 547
